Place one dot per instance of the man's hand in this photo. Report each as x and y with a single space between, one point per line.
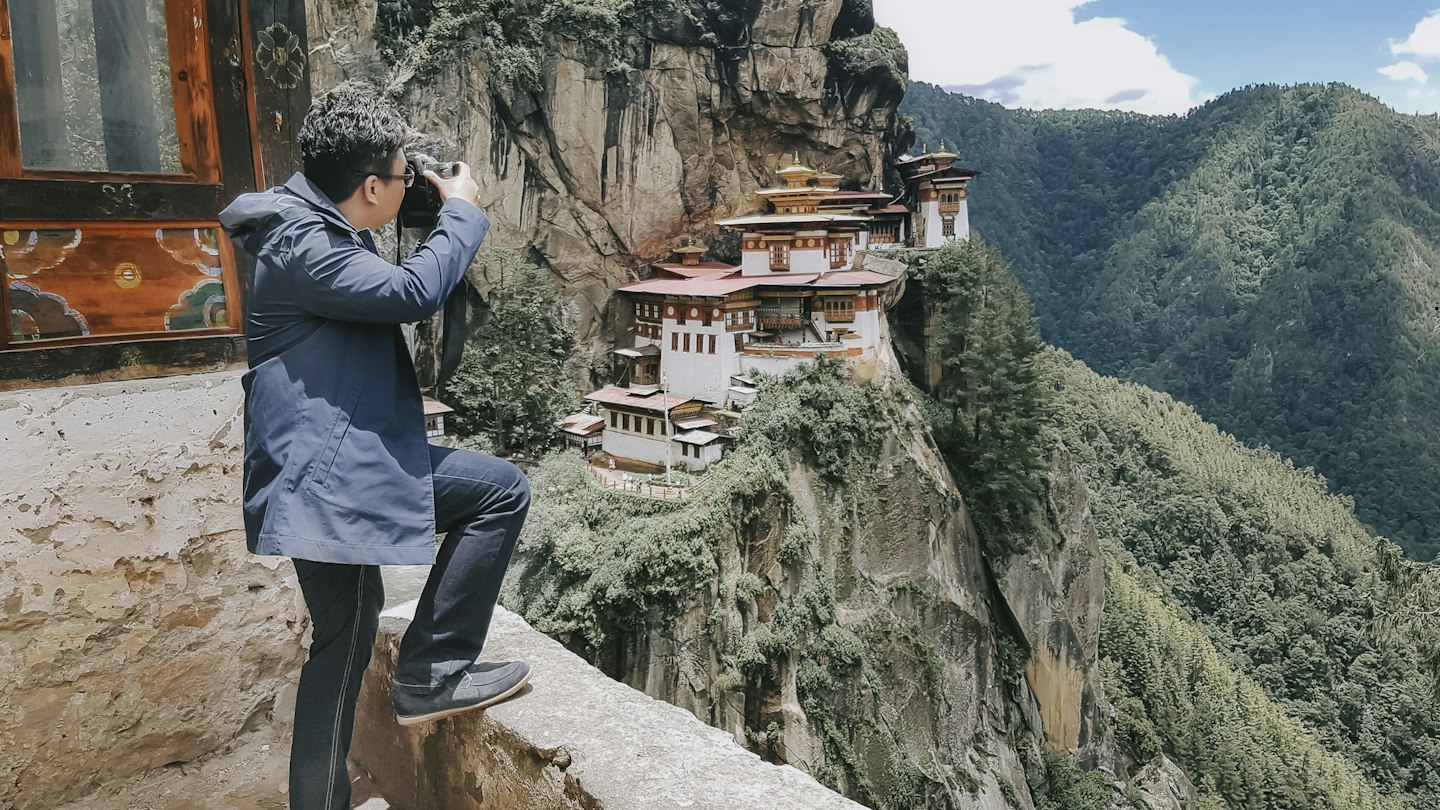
461 185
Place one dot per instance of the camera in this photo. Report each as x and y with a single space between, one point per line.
421 206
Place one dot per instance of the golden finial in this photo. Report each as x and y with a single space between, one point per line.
942 144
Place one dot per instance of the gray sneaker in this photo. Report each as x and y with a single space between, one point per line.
475 687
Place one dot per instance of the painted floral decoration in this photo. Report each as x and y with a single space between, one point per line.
280 57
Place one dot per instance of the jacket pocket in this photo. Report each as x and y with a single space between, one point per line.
337 432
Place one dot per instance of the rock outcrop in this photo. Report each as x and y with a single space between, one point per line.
573 740
1055 591
602 171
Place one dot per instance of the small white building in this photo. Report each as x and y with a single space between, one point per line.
435 411
645 424
583 431
937 194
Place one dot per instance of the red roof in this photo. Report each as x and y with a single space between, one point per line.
654 402
728 285
582 424
435 406
890 209
704 269
853 278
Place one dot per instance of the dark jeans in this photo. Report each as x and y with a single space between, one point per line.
480 505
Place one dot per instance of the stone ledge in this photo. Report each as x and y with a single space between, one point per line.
575 739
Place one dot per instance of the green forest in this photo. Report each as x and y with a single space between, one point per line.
1240 599
1239 636
1272 258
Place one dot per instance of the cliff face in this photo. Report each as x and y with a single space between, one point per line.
603 169
911 702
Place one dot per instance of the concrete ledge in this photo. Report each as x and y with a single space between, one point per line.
577 739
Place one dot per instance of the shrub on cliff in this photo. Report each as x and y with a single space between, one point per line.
419 38
511 390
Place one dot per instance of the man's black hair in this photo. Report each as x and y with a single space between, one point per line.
347 135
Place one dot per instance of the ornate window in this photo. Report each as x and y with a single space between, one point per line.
779 255
839 310
125 126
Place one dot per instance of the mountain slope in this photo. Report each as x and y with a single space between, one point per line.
1270 258
1265 566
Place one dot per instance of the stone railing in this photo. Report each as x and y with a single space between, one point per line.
575 739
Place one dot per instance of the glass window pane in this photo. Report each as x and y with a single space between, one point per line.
92 80
104 279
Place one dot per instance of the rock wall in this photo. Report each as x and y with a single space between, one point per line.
1055 592
927 714
137 631
602 172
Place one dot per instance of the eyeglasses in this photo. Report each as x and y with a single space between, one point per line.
408 176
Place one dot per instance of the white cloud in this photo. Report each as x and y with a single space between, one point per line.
1405 71
1034 53
1423 42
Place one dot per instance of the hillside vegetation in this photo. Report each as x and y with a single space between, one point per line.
1237 587
1271 258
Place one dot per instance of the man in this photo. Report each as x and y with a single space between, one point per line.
338 475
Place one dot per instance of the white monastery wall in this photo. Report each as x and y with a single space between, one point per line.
641 447
137 631
755 263
962 221
772 364
698 374
867 324
809 260
934 226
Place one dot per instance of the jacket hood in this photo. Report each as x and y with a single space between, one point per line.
252 212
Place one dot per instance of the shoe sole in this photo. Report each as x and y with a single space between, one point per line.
417 719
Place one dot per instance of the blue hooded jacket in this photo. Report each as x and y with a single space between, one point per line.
337 468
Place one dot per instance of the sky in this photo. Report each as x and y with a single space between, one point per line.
1167 56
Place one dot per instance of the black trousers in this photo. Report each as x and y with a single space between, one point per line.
480 505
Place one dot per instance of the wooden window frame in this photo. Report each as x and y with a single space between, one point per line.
779 256
191 93
224 152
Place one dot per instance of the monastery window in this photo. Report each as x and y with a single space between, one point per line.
649 426
839 252
614 419
947 226
624 421
712 345
121 138
687 341
840 310
779 255
675 341
739 343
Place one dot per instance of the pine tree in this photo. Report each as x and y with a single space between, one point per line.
992 395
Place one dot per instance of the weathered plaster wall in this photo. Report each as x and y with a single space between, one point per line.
136 630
